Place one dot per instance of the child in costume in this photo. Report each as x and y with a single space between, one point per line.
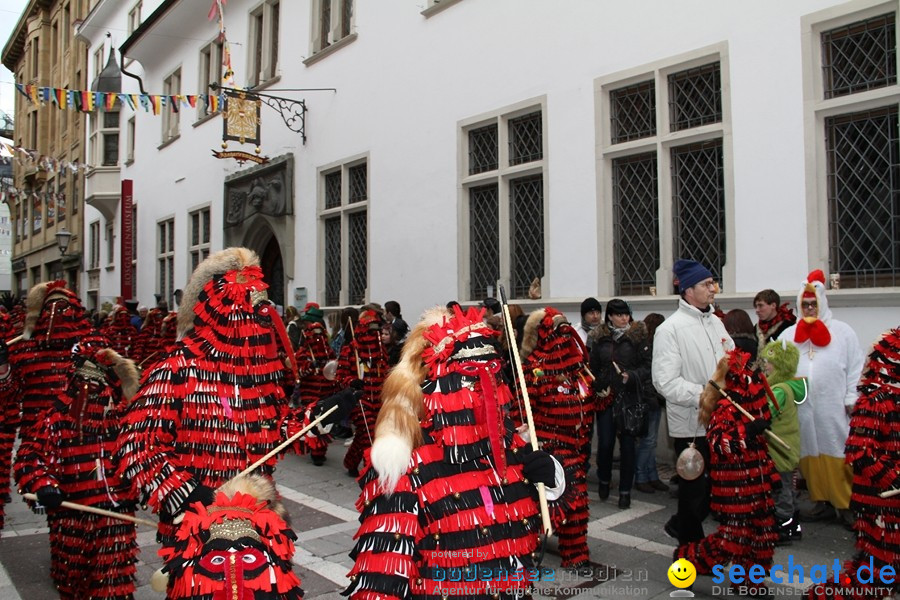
363 359
313 353
554 362
215 404
779 360
742 474
448 503
68 456
240 546
873 450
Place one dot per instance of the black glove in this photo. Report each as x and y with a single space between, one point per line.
539 467
756 427
357 384
4 352
344 400
51 497
201 493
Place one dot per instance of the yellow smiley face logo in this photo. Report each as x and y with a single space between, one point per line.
682 573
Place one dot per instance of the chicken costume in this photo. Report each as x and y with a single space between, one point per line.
831 361
68 456
554 362
446 495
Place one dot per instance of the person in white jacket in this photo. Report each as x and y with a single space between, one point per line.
832 360
686 349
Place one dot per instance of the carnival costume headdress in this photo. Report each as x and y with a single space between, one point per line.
813 328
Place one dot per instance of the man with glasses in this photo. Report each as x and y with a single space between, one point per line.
686 349
831 359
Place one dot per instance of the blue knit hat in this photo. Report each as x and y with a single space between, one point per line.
689 273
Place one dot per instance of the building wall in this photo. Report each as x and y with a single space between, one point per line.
407 84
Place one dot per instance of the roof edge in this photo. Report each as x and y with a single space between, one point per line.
146 26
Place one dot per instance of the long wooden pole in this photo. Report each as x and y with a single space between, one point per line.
511 340
744 412
96 511
285 444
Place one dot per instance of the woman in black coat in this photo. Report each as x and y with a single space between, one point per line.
620 362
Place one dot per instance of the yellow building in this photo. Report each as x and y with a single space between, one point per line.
43 51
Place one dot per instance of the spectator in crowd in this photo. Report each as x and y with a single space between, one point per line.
831 359
646 475
344 330
739 326
292 326
591 315
773 317
392 315
491 306
620 362
686 349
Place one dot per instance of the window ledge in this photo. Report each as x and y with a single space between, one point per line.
109 267
438 7
205 118
344 41
169 141
100 169
129 162
268 82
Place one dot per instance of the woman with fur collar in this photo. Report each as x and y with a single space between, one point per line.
620 361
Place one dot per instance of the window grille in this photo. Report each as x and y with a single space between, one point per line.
860 56
633 112
698 204
695 97
347 15
333 261
357 257
863 158
636 223
526 142
358 177
484 240
333 190
483 149
526 207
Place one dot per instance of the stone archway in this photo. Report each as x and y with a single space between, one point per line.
273 270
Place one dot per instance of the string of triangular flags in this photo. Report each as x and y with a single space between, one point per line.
53 201
87 101
42 161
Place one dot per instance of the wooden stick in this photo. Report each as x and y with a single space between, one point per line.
744 412
511 337
97 511
285 444
889 493
14 340
141 364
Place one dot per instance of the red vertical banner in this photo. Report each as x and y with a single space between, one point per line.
127 215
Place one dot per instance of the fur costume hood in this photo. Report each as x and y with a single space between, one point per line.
540 324
636 334
39 296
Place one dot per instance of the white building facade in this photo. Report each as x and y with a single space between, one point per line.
453 145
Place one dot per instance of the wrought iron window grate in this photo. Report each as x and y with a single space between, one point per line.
633 112
357 257
346 16
860 56
526 212
695 97
636 223
333 190
526 141
358 178
863 154
325 23
484 240
698 204
483 149
333 261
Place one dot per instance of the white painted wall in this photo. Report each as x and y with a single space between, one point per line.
406 83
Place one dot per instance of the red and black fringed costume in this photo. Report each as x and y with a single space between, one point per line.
363 357
54 323
554 362
873 451
148 348
445 504
313 353
239 547
168 334
214 405
741 473
68 455
9 413
121 334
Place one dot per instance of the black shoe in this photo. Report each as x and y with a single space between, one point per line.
645 487
788 531
624 500
846 518
318 460
670 529
821 511
603 490
354 473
